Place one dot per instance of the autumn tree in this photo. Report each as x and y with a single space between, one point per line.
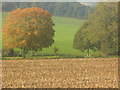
28 29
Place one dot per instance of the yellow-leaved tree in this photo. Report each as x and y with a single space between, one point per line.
28 29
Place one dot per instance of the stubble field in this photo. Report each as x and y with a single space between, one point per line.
61 73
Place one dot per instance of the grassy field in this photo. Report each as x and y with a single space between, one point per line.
62 73
65 28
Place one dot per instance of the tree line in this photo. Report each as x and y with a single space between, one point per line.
100 32
64 9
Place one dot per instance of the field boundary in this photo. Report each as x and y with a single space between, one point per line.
63 59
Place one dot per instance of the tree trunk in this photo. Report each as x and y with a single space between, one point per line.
24 53
88 51
11 53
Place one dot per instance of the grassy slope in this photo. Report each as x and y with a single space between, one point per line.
65 28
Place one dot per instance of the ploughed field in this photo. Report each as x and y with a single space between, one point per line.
61 73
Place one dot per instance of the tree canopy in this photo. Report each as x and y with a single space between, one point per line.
28 29
100 31
64 9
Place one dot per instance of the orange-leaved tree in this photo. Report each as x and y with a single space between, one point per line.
28 29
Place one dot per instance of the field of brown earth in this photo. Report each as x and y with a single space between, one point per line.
61 73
